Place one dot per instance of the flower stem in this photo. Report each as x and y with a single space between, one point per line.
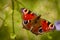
13 16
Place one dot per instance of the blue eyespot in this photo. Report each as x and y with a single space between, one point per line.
40 30
25 21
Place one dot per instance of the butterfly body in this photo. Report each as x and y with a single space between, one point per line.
35 23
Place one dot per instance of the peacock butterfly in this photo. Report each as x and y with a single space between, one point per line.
35 23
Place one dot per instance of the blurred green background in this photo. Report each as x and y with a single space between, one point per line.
11 21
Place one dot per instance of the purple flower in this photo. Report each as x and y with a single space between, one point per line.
57 25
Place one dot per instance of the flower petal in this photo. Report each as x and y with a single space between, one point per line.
57 24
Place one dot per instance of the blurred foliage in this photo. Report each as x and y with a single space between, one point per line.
11 21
